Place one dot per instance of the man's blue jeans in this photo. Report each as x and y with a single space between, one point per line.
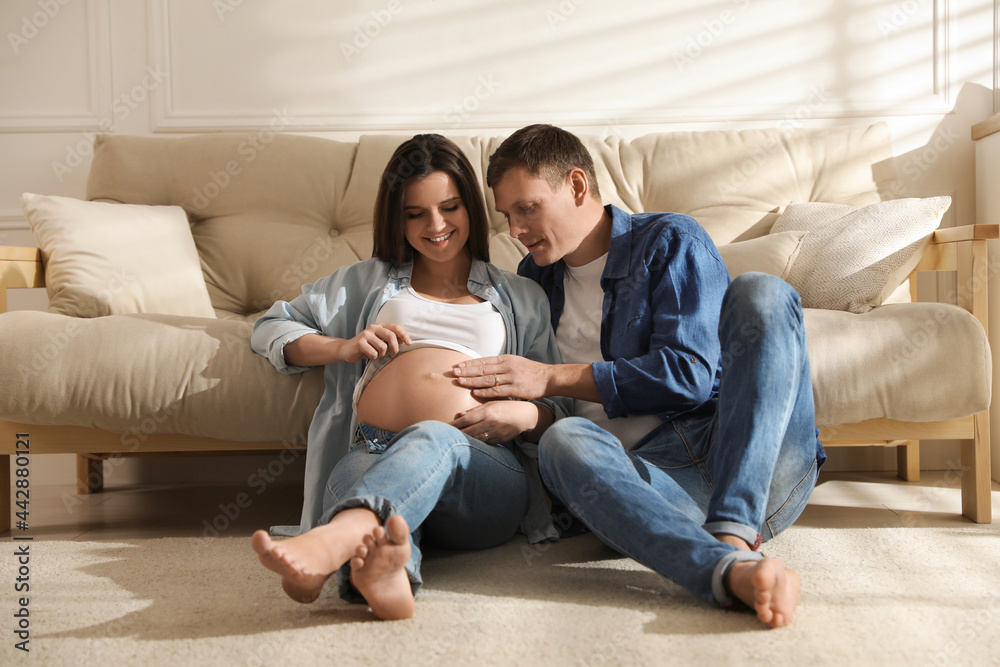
453 490
746 470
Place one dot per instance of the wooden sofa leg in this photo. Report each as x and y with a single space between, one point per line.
89 474
908 461
976 502
5 493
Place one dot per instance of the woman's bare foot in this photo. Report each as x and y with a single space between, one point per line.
377 570
306 561
767 587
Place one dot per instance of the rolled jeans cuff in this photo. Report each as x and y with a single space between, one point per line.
383 509
722 567
745 533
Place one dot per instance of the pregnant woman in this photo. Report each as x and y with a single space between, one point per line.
428 461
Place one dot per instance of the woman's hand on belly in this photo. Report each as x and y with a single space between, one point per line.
500 421
375 341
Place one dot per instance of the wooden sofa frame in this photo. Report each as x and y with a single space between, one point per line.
962 250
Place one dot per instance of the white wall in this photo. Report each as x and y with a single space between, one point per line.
69 68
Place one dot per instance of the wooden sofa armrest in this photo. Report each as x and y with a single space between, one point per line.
966 233
19 268
964 251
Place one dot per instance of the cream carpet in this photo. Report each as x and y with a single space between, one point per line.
897 596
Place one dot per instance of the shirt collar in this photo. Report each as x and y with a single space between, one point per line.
620 248
402 272
479 272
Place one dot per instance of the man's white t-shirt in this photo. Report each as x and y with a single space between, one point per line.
579 340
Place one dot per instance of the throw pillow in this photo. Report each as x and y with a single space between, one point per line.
774 254
854 257
110 259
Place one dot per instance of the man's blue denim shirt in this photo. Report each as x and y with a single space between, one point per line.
663 286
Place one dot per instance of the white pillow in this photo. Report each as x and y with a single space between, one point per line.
855 256
108 259
774 254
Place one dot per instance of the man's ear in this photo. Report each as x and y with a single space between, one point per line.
579 185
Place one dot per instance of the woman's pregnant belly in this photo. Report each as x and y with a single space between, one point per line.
415 386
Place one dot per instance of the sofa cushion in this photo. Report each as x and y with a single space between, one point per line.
104 259
908 361
271 212
774 254
265 208
854 257
732 182
150 374
168 374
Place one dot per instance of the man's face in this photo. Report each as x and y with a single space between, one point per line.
546 221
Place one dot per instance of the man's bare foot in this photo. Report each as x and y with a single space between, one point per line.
377 570
768 588
306 561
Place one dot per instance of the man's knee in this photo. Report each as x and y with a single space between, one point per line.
760 291
755 302
573 456
571 443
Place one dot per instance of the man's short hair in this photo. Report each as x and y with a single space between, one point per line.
546 151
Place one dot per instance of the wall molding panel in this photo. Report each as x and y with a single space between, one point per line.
996 56
363 74
12 220
93 111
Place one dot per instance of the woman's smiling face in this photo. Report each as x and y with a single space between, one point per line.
436 222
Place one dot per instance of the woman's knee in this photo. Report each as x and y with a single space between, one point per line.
431 428
428 437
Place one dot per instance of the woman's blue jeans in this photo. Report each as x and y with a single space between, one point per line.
454 491
746 470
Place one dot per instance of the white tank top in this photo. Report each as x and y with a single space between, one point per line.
474 329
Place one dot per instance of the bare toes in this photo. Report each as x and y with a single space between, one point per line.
397 529
261 542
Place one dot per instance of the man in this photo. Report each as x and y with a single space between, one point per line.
694 438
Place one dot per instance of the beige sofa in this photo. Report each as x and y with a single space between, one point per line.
123 374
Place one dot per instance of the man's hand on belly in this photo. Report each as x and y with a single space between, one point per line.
511 376
507 376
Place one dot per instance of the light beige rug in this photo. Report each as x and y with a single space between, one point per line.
896 596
